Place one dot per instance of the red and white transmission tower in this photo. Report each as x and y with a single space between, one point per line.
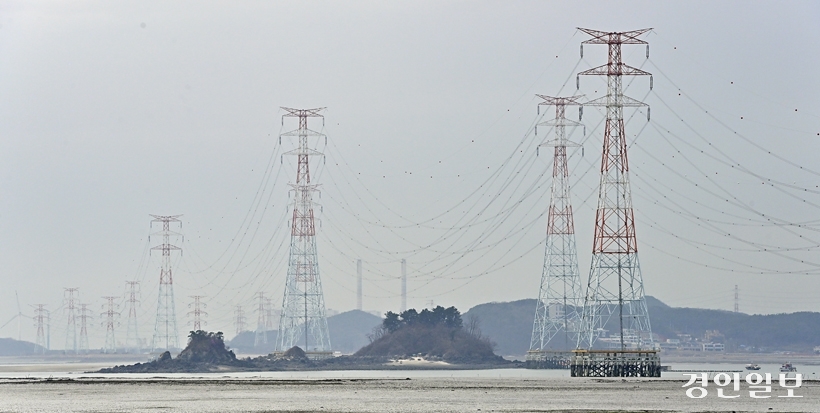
166 335
41 318
261 336
303 306
132 337
560 298
239 321
109 313
71 320
84 316
197 312
615 283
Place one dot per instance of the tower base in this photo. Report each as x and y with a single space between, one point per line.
539 359
615 363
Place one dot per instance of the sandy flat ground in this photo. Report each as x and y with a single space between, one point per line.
380 395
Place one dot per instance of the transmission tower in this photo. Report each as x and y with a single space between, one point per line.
737 299
359 285
261 336
197 312
83 348
71 324
166 336
560 298
615 283
269 317
40 317
303 306
403 285
240 320
132 337
109 313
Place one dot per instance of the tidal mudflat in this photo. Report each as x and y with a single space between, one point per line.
415 394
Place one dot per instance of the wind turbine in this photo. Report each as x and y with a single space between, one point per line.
19 316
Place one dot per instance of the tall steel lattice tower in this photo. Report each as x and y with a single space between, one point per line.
40 317
166 336
560 298
303 307
83 348
132 337
240 319
261 336
109 323
71 319
197 313
615 286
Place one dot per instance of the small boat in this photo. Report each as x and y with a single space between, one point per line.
787 367
752 367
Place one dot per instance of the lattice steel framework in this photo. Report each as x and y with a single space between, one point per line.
239 321
40 318
615 283
560 298
166 335
197 313
132 337
303 306
84 316
71 319
109 323
261 336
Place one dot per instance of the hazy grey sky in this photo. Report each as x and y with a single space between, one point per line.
110 112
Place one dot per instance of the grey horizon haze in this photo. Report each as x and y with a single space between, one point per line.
111 112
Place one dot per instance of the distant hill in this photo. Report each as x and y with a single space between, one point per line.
509 325
348 333
12 347
349 330
793 332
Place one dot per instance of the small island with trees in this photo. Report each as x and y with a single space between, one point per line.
437 336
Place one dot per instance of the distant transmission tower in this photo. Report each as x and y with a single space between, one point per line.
83 348
240 320
40 317
403 285
71 320
166 335
737 299
197 312
560 298
615 283
269 315
261 336
303 307
109 313
359 285
132 337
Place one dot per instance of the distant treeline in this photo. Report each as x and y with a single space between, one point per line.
449 317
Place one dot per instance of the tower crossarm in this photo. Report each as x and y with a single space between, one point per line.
601 37
561 122
620 69
303 132
625 101
305 151
299 113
